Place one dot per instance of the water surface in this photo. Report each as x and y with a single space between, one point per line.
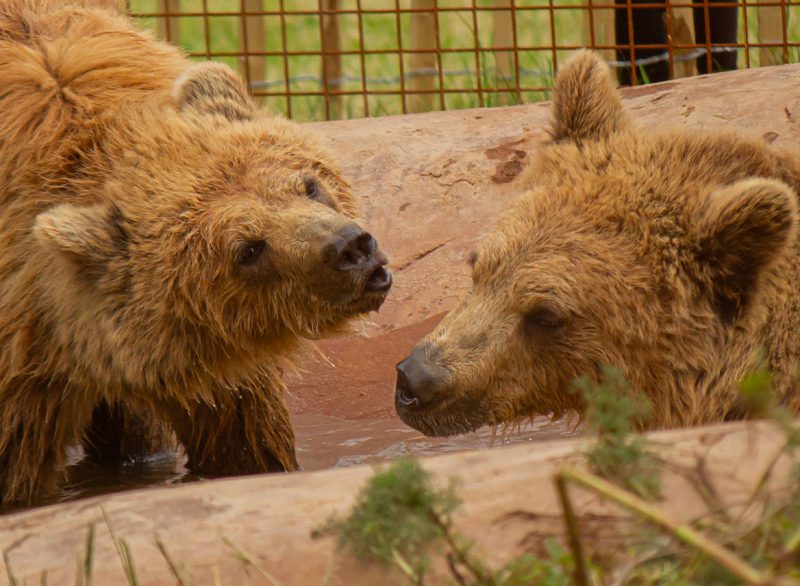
322 442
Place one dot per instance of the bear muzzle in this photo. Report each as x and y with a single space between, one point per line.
419 382
358 267
426 399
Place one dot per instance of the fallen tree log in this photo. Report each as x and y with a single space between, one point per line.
258 530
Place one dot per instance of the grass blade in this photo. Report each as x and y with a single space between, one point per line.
174 568
730 561
12 581
123 551
248 561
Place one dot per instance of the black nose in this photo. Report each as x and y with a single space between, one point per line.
418 381
351 248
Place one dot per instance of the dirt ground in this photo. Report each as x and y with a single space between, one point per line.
353 377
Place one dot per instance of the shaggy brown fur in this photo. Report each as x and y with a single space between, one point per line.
671 255
162 250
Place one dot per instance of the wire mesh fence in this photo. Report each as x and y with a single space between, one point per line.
331 59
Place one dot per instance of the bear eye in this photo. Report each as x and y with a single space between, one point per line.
250 252
543 318
312 189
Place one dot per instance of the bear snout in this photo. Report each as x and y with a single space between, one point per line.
419 382
349 249
353 254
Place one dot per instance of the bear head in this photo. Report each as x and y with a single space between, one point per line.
206 235
657 253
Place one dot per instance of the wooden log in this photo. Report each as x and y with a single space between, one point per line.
260 530
422 67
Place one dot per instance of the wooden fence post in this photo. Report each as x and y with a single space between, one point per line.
682 25
421 66
253 39
770 30
603 19
503 36
167 28
332 64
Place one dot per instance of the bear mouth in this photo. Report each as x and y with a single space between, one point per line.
445 418
374 291
379 281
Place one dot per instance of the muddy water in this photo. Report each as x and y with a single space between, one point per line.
322 442
342 412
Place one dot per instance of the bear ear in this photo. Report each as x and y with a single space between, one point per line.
89 235
586 103
746 228
213 89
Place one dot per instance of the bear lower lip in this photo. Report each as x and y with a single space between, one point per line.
380 280
370 301
447 417
405 399
439 422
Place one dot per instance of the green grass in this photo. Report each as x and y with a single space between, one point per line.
380 33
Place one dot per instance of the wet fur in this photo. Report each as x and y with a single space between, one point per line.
128 180
672 255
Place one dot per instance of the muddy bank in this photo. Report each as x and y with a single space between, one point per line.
353 377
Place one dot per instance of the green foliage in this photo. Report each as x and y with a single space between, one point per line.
619 455
397 517
758 397
400 518
554 570
757 393
766 533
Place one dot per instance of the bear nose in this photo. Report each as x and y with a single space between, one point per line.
418 381
349 249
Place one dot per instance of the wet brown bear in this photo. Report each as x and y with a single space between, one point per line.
671 255
163 246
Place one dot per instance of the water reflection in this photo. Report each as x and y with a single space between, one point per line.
322 442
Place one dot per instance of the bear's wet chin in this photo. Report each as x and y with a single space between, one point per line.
372 301
369 301
446 418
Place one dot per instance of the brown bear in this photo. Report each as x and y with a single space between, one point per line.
164 247
671 255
